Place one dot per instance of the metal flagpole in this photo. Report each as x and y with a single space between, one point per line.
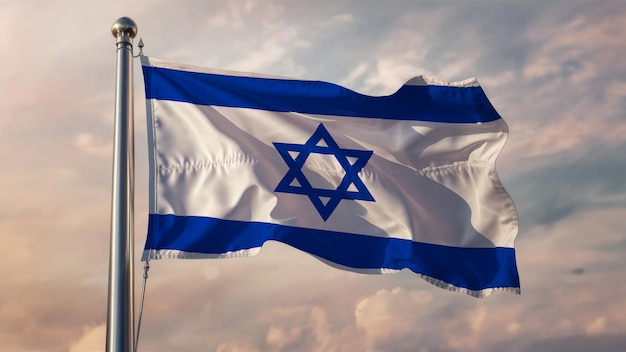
121 309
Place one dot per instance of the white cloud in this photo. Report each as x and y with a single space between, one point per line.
355 74
391 74
338 20
273 49
93 339
277 338
89 144
596 326
390 315
498 79
233 17
464 332
237 346
616 88
211 272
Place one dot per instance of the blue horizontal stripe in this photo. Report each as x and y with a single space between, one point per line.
421 103
470 268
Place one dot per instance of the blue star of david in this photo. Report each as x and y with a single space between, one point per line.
313 146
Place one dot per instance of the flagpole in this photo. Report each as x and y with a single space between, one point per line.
121 310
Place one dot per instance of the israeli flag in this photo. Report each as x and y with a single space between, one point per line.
371 184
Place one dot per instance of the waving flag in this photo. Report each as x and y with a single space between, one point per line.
367 184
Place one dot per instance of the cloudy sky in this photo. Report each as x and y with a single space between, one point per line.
555 70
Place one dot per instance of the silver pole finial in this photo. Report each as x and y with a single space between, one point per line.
124 26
